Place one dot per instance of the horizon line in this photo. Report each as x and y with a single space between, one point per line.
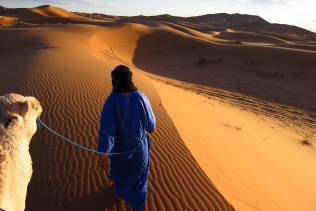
160 14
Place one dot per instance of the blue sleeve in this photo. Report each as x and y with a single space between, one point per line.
150 116
107 131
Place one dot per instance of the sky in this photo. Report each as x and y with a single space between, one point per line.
301 13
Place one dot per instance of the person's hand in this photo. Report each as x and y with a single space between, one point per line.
104 162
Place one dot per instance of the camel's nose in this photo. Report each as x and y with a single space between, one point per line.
38 125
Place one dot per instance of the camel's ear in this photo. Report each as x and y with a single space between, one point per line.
20 108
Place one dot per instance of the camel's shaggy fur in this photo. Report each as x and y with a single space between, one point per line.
18 116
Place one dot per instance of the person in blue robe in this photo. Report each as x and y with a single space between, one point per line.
126 120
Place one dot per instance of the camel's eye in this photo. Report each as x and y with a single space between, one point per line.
10 120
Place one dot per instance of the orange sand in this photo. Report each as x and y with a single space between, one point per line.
256 163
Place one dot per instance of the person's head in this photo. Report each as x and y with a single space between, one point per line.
122 80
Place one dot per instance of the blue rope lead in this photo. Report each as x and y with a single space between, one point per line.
131 152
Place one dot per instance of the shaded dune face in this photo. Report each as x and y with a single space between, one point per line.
71 78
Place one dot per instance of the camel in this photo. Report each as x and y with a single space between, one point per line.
18 116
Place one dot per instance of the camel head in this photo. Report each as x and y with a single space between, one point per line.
19 112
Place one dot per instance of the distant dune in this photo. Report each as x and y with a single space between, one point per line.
236 109
220 21
45 10
249 37
7 21
45 14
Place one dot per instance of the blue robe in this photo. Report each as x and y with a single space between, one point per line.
125 121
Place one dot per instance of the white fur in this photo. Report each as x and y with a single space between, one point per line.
15 137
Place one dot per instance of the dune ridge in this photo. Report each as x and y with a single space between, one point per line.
47 10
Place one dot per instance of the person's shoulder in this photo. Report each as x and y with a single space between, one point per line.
110 98
112 95
140 94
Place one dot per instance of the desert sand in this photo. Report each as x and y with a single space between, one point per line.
236 120
256 162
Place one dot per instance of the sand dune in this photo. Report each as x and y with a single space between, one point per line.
72 87
250 156
263 72
307 47
45 10
249 37
223 21
46 14
48 10
247 146
7 21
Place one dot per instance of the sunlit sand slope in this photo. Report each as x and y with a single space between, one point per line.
7 21
257 162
